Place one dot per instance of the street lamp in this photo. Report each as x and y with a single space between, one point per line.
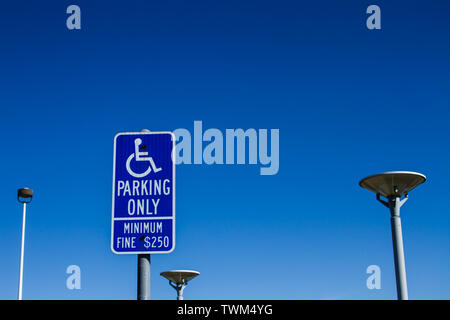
393 186
178 279
24 196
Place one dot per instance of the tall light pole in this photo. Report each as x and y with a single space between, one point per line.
24 196
178 279
395 186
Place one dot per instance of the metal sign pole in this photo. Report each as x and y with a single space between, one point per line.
22 251
397 240
143 292
143 271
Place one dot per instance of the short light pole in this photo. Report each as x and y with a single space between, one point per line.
24 196
178 279
395 186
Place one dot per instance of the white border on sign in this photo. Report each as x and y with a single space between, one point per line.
173 193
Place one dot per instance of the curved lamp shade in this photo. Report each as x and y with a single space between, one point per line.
180 276
393 183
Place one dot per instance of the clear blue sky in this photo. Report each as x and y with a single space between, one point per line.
349 102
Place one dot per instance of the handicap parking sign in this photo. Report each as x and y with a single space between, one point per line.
143 193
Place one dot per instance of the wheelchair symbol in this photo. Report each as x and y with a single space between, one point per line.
141 156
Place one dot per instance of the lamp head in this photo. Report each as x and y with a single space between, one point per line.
393 183
180 277
24 195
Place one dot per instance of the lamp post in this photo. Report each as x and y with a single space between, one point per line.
24 196
178 279
395 186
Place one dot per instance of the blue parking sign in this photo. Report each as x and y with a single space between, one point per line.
143 193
